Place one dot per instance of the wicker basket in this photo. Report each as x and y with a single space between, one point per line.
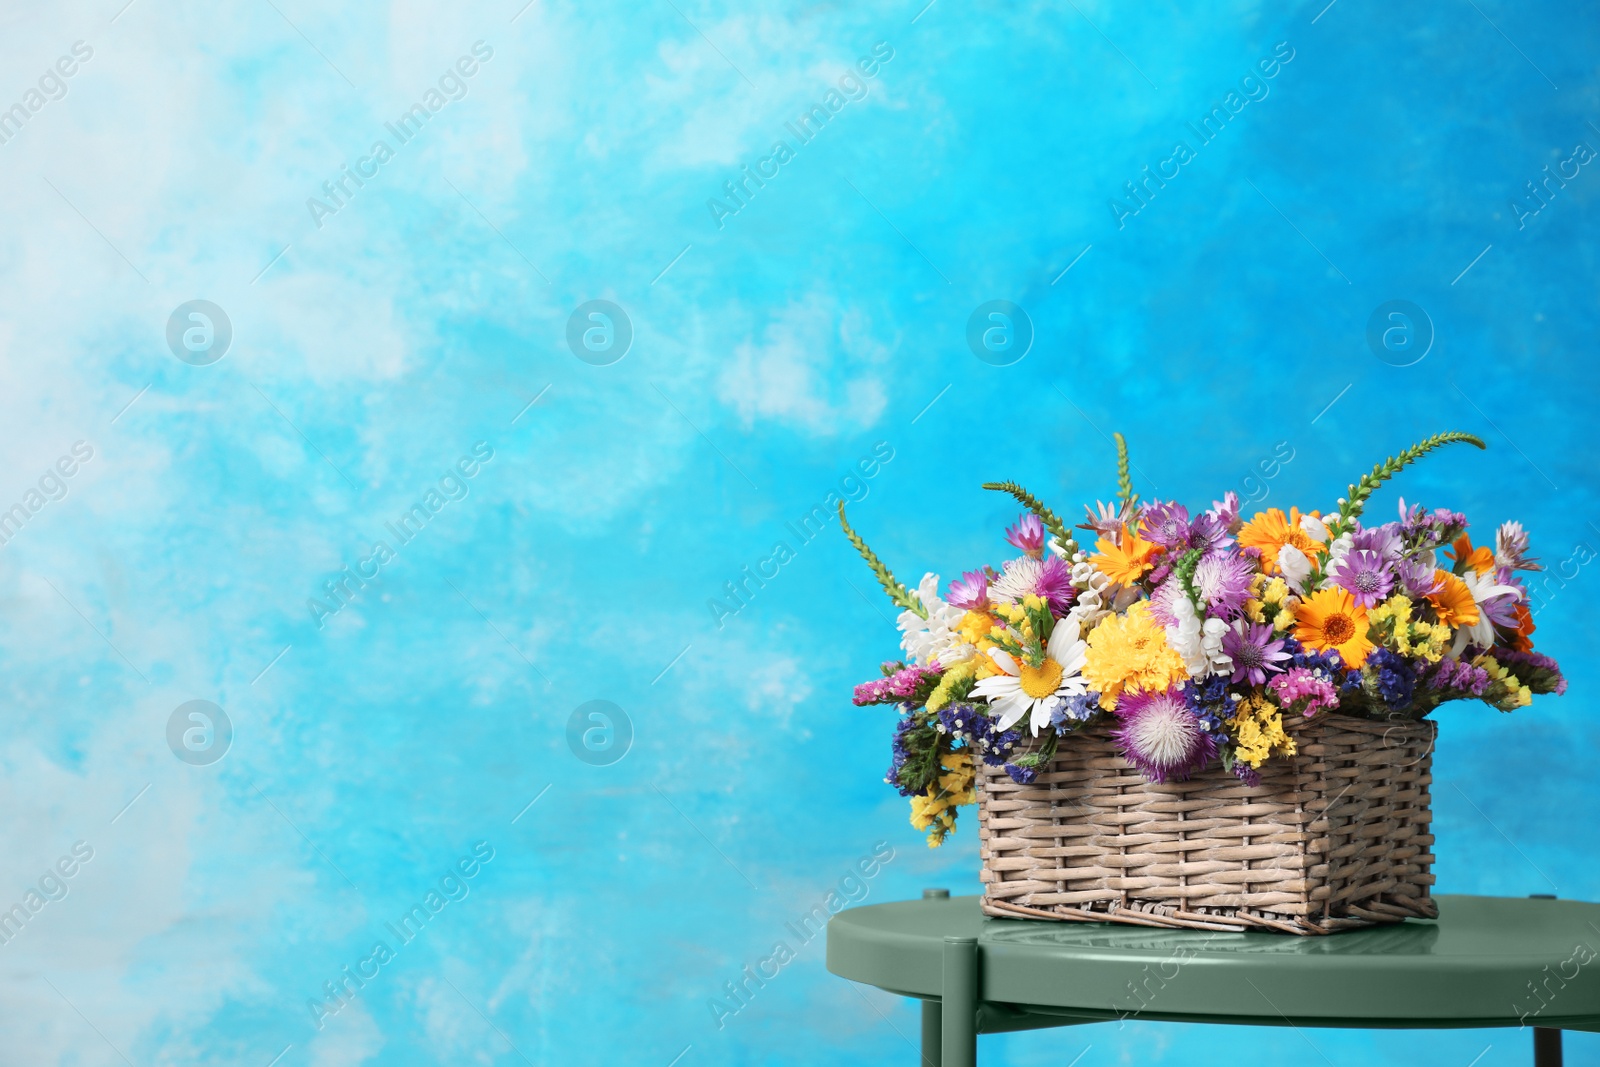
1333 838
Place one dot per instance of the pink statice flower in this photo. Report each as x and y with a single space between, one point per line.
1305 690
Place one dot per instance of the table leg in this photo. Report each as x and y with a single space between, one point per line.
932 1034
1546 1042
959 1009
1546 1047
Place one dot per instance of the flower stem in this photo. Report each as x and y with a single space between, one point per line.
898 593
1124 481
1361 490
1057 528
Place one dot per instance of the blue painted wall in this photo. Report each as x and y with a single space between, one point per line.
392 738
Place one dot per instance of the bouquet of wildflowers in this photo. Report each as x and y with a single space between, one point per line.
1190 637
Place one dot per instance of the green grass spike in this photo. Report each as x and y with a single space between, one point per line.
898 593
1361 490
1125 491
1052 523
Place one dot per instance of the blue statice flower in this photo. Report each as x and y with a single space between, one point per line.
1396 679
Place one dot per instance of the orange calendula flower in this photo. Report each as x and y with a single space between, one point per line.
1270 530
1127 562
1453 601
1330 618
1480 559
1525 628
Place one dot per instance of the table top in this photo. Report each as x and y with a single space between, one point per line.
1486 961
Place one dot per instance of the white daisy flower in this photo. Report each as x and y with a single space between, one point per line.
1036 691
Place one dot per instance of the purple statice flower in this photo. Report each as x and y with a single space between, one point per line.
1253 651
1511 548
1211 701
971 725
902 753
1167 524
1419 576
1028 535
1534 669
1366 576
1074 711
1393 676
1247 774
1022 775
1306 690
900 687
1161 736
1223 581
1384 540
1438 527
970 592
1226 511
1456 676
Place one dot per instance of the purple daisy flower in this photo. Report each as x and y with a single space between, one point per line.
1384 540
969 592
1167 524
1161 736
1028 535
1223 581
1226 511
1366 576
1418 577
1253 652
1209 533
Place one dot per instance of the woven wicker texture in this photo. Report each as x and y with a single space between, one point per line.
1334 837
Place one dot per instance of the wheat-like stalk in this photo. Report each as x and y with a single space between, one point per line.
897 591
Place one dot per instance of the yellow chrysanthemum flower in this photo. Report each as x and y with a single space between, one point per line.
1129 653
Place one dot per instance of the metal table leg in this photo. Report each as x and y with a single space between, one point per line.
1546 1042
932 1015
932 1034
959 1014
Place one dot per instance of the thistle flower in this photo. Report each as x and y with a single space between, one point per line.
1223 581
1050 578
1161 736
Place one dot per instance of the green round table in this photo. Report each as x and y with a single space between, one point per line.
1485 962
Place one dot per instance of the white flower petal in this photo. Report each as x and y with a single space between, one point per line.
1003 660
